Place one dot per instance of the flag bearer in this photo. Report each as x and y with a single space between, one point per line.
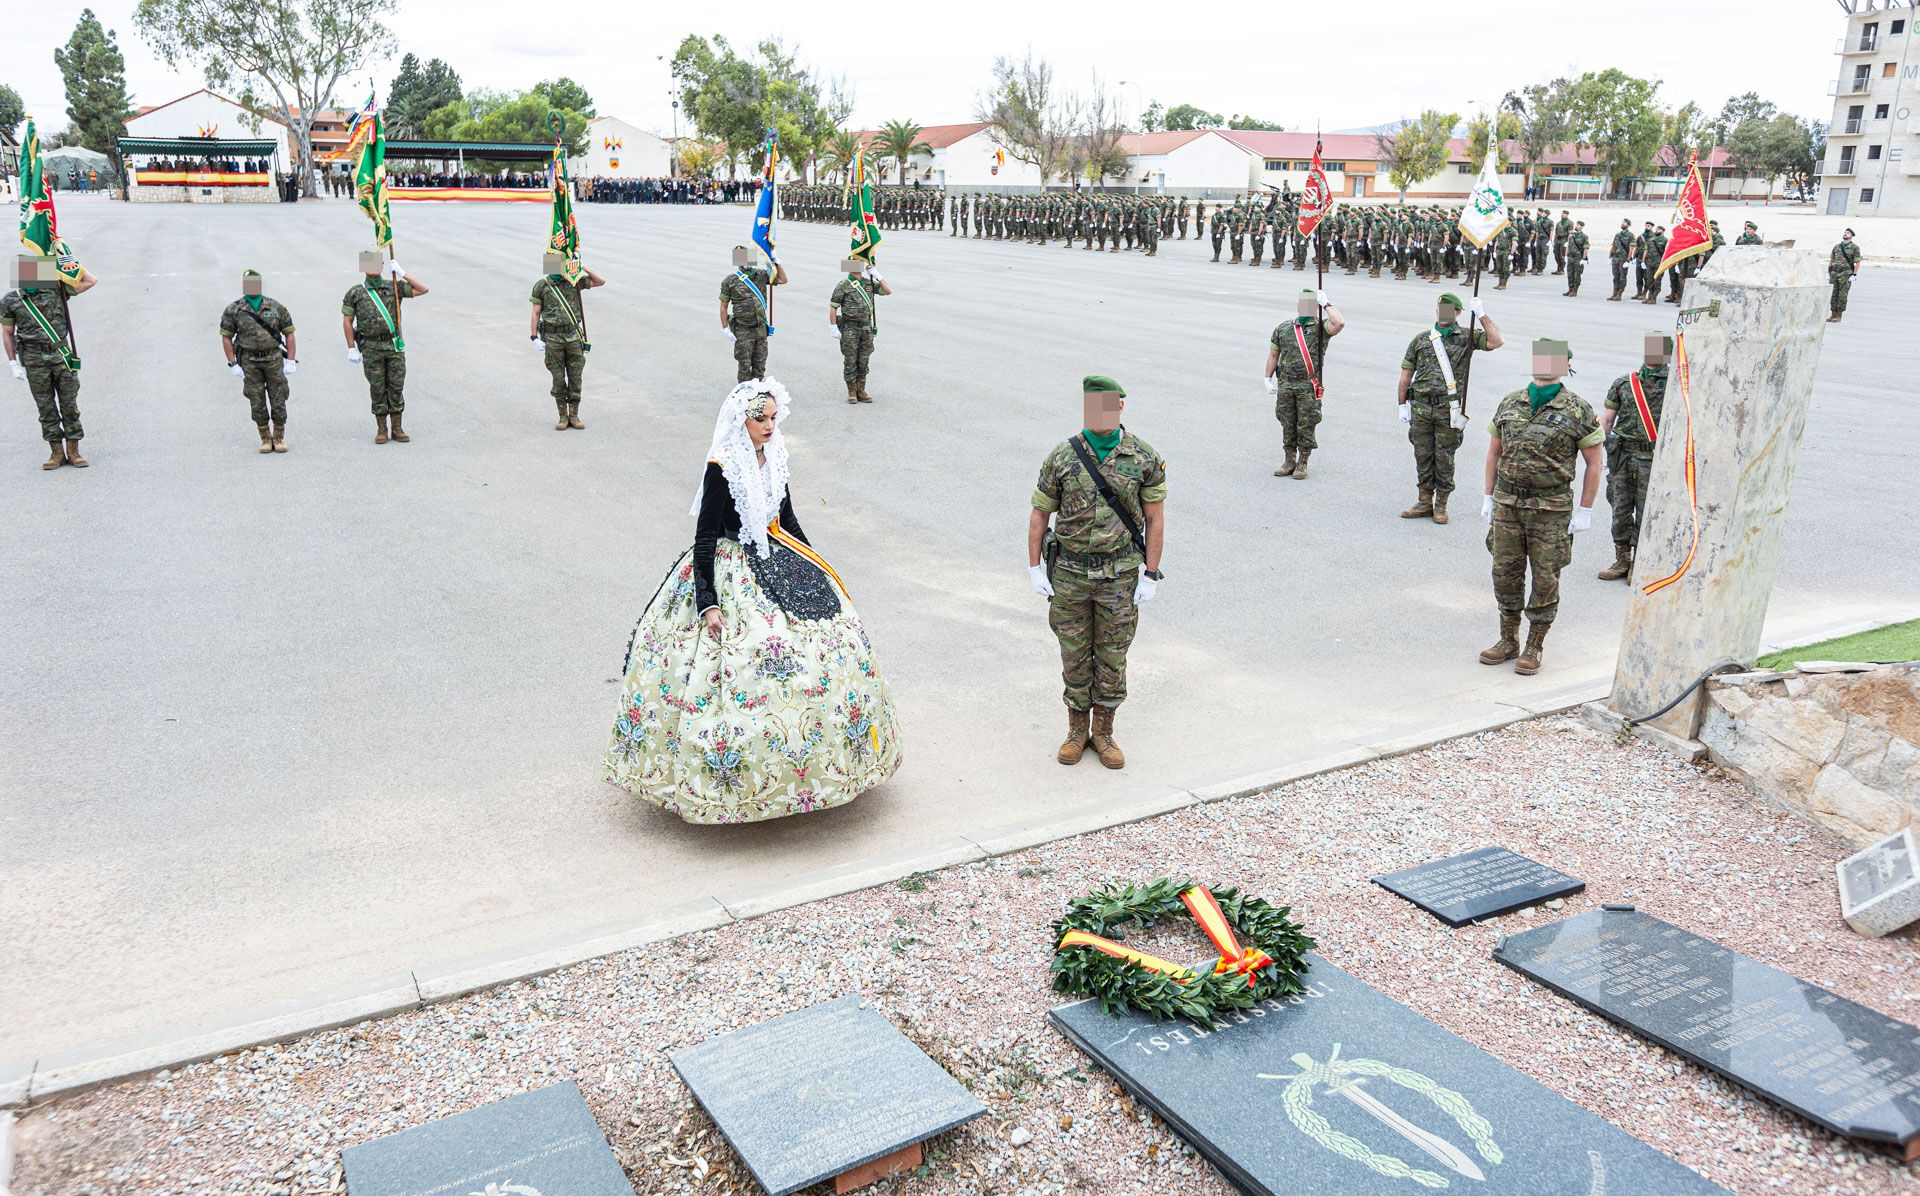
853 317
34 331
559 325
370 319
1631 421
743 310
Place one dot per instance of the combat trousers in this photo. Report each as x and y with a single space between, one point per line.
56 392
566 362
1218 237
750 353
1239 246
1539 256
856 351
1842 283
1619 276
1299 253
1259 246
1435 441
1094 619
1299 413
1523 537
1627 495
1576 270
1559 255
386 374
264 382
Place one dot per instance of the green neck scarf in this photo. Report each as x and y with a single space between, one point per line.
1304 321
1539 396
254 301
1650 372
1446 329
556 278
1103 442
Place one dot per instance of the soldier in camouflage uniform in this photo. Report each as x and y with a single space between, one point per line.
1503 242
1562 234
1296 357
1843 266
256 334
1618 255
1542 239
370 320
1630 442
1219 227
854 317
1432 399
1749 235
35 334
1574 256
1655 250
1093 571
1257 231
743 310
1539 435
558 324
1180 217
1236 233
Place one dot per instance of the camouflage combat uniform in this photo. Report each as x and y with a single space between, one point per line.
56 389
258 353
1296 405
376 325
1841 266
563 336
1630 461
853 298
747 319
1435 439
1092 612
1533 499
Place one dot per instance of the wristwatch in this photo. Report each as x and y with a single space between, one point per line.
1155 574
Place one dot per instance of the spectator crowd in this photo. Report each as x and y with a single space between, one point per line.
678 190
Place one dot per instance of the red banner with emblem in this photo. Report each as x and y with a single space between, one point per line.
1316 198
1691 237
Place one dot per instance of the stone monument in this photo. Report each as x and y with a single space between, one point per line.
1752 323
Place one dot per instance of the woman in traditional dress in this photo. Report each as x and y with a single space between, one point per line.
751 691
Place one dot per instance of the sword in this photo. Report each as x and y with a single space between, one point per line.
1441 1149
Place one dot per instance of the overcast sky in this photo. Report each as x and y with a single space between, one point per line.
1345 66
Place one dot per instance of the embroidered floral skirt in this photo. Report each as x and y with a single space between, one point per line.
785 713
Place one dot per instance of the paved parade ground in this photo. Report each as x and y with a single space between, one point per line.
282 723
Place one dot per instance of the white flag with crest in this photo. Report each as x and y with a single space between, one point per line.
1485 212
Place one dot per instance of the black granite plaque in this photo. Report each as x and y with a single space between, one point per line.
543 1142
1480 884
807 1096
1346 1090
1854 1071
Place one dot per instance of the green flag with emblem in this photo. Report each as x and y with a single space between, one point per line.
370 181
39 226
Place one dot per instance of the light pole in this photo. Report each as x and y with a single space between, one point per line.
1139 96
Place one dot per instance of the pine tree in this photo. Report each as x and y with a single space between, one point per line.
96 79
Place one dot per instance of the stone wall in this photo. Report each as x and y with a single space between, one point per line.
161 193
1840 748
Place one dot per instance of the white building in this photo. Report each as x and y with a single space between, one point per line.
207 114
965 158
1872 163
619 150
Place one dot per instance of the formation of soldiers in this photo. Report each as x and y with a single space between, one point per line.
895 207
1097 220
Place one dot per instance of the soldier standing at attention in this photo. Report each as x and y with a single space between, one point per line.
1542 240
370 320
1236 232
743 310
34 332
1105 491
1618 256
1574 254
1432 392
256 334
1257 232
1539 433
1180 217
1642 266
1655 250
1503 254
1219 233
1296 353
854 321
1842 266
1200 218
1562 234
559 325
1631 422
1749 235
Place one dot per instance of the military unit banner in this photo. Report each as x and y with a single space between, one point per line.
1691 235
866 226
763 213
39 225
1485 212
1316 198
370 181
564 236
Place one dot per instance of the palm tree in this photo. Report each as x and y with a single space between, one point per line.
841 149
899 140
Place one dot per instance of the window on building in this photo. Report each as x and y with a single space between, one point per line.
1873 153
1866 195
1334 167
1463 168
1893 155
1887 69
1897 28
1879 112
1276 164
1855 111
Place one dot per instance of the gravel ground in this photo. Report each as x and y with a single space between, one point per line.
1692 847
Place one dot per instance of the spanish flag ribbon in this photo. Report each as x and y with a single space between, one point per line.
1683 375
1080 938
1234 958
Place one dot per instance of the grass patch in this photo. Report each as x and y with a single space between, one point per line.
1894 642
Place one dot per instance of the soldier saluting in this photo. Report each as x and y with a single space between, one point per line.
370 319
1104 491
558 325
1631 421
744 295
35 334
256 333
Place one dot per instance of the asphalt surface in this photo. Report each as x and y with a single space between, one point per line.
279 723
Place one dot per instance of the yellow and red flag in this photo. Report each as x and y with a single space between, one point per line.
1691 237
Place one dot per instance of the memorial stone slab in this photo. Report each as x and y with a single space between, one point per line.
1880 887
1484 883
817 1093
1834 1062
540 1143
1343 1089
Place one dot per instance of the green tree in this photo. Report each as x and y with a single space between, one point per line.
1614 113
1187 116
563 93
1153 119
1541 110
416 93
1749 150
734 98
839 151
1482 129
1029 117
1737 111
95 73
1237 121
1417 150
297 51
1791 151
900 140
13 110
1684 131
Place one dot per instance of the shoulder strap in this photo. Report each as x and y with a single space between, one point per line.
1087 462
1646 410
271 331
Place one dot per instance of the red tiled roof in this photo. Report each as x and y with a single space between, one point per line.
1164 142
937 136
1336 147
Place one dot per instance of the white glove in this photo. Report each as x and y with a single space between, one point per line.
729 332
874 275
833 330
1144 588
288 367
1406 413
533 338
1037 576
353 354
1456 418
1582 519
1272 383
1476 307
1486 509
19 371
394 270
1320 297
233 367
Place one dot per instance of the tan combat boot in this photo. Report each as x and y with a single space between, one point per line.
1103 742
399 433
1286 467
380 422
1300 467
73 454
1622 564
1075 745
279 438
1422 509
1615 297
57 457
1509 645
560 425
573 415
1529 662
861 389
853 392
266 438
1439 508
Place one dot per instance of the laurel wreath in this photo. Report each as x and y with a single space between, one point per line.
1120 984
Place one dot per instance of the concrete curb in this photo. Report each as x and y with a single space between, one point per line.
6 1153
68 1072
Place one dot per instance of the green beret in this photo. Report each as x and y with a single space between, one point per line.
1752 225
1100 384
1448 297
1548 347
249 273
